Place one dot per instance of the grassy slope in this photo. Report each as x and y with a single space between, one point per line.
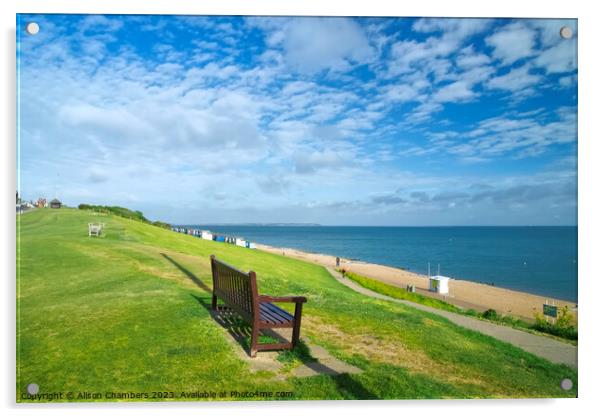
123 313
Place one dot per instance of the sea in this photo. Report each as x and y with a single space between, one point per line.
539 259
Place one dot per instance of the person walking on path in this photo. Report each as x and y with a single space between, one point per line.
338 261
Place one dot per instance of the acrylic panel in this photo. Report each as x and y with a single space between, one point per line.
391 204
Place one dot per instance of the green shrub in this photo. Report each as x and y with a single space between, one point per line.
490 314
123 212
563 327
162 224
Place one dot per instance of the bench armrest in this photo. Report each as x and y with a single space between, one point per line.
292 299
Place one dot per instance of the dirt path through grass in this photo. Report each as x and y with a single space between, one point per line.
545 347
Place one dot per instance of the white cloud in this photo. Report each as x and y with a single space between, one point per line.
423 112
457 28
428 54
475 75
512 42
400 93
455 92
559 58
314 44
516 136
424 67
469 58
568 81
98 22
523 137
515 80
406 54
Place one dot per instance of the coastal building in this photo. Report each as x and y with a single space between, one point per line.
208 235
55 203
439 284
41 203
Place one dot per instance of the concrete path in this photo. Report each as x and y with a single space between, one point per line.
545 347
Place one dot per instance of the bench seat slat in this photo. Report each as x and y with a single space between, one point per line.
273 314
277 311
265 317
268 316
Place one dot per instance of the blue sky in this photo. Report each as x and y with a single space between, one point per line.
338 121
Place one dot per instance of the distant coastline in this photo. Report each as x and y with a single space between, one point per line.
464 294
257 225
534 259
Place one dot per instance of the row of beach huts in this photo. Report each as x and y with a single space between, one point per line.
207 235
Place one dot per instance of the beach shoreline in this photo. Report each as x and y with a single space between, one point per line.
462 293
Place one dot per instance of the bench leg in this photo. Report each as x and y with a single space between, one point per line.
254 341
214 303
297 327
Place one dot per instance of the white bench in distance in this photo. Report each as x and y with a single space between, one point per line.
94 229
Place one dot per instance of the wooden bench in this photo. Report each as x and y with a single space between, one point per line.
238 291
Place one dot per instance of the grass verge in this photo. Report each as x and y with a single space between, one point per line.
562 329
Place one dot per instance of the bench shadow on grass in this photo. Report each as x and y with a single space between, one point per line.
240 331
236 326
189 274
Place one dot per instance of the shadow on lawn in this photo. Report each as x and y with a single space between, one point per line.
189 274
236 326
241 333
347 384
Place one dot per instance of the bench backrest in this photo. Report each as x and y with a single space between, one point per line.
236 288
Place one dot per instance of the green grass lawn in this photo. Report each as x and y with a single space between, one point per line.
128 312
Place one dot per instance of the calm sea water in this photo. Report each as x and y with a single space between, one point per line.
539 260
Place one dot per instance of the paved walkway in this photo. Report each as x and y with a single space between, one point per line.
545 347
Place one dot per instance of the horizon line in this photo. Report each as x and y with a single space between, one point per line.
284 224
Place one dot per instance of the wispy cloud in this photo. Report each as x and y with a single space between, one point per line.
244 119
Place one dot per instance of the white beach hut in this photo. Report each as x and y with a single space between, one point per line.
207 235
240 242
439 284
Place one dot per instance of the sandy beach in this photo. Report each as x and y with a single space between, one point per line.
465 294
